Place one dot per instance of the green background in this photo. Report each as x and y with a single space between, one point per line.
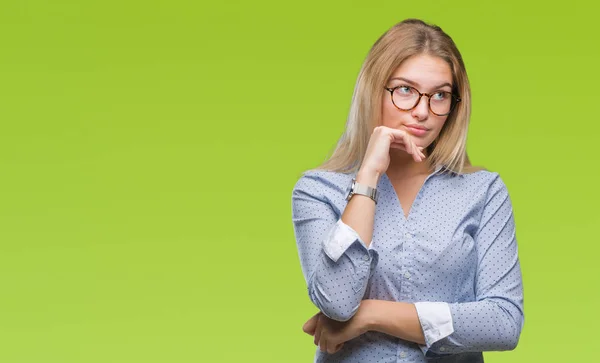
148 150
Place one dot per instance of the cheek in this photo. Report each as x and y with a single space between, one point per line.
436 131
391 116
386 106
438 128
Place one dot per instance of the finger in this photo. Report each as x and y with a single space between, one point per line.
310 325
323 342
332 343
417 157
414 152
318 329
417 152
413 145
338 347
398 146
332 348
402 136
399 136
404 148
410 147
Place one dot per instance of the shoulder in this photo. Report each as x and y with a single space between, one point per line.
480 181
488 193
322 183
489 181
319 188
471 191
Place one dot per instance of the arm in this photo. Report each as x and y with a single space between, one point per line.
495 320
492 322
335 256
420 322
395 318
337 267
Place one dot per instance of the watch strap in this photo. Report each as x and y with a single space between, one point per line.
357 188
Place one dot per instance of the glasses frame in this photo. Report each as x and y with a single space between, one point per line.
455 99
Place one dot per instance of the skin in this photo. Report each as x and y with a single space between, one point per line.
395 150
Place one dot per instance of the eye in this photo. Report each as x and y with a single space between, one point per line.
404 90
440 96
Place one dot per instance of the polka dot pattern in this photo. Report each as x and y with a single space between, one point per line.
457 245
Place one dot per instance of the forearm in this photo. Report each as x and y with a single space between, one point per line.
359 213
335 258
497 328
339 301
395 318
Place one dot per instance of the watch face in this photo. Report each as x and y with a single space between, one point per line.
349 189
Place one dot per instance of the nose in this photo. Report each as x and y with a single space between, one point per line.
421 110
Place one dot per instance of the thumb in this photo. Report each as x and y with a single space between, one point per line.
310 326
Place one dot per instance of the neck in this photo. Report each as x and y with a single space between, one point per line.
403 166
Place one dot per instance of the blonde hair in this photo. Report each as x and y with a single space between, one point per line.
405 39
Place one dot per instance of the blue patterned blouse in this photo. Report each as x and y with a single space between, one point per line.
455 257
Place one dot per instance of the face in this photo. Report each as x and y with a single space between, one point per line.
427 74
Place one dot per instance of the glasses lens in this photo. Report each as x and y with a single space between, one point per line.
441 102
405 97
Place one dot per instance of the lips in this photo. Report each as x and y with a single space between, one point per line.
419 127
416 130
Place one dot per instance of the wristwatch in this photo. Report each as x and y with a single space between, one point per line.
357 188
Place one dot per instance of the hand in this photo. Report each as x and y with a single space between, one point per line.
330 335
324 331
383 138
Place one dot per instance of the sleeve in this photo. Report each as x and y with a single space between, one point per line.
339 238
336 263
435 319
493 322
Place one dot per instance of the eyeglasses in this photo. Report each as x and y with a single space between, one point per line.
406 98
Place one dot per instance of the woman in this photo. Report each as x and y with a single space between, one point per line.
408 251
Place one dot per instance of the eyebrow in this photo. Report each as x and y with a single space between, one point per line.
416 84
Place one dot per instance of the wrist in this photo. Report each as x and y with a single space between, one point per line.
370 318
367 177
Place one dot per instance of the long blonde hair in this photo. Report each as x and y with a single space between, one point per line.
405 39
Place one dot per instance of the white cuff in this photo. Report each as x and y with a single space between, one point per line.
436 320
339 238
